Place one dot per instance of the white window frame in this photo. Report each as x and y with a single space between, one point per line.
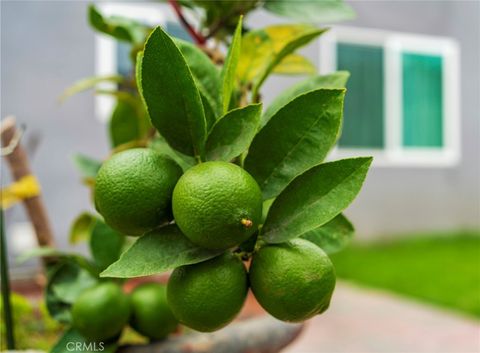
394 44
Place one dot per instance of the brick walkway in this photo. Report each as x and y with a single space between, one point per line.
368 321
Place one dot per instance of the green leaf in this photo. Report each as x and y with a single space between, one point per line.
334 80
233 133
43 251
138 75
172 98
295 64
88 83
210 113
106 245
295 139
120 28
71 338
319 11
156 252
70 282
332 236
314 198
160 145
82 227
205 73
230 66
66 281
126 123
264 49
78 259
88 167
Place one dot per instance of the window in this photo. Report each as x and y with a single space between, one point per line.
402 105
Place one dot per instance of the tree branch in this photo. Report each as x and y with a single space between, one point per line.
199 38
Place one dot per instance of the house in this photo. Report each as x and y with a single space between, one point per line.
424 133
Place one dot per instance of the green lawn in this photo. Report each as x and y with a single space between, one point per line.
442 269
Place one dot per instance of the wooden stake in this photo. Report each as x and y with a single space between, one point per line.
20 167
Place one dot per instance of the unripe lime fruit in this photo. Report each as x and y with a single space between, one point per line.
101 312
292 281
207 296
151 315
217 205
133 190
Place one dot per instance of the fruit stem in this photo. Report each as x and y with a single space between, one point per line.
246 222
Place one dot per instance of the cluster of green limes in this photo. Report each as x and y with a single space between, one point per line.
101 312
218 206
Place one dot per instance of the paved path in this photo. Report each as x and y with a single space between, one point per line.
368 321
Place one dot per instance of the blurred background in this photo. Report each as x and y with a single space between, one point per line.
413 102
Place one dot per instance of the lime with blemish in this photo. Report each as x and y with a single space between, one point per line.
217 205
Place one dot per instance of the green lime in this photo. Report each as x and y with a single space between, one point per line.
292 281
207 296
101 312
217 205
133 190
151 315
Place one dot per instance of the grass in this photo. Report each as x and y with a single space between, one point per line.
439 269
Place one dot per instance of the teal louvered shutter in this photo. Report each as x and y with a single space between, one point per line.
422 100
363 124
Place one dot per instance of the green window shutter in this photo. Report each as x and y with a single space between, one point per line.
422 100
363 115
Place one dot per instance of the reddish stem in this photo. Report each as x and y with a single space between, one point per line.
199 38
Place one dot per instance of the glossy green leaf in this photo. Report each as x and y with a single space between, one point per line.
171 96
66 281
314 198
334 80
82 227
264 49
230 66
210 113
71 339
106 245
332 236
156 252
233 133
205 73
121 28
295 64
160 145
88 167
125 124
295 139
88 83
319 11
